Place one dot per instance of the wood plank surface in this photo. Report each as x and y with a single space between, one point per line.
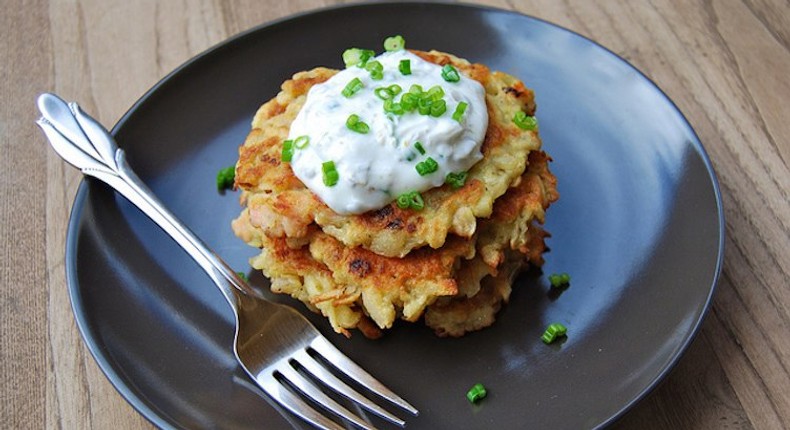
725 63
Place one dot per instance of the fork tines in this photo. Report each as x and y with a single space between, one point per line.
281 377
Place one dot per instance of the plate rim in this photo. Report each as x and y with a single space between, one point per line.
119 382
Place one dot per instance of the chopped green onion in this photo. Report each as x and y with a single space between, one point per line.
405 67
415 89
392 107
243 276
476 393
450 74
403 201
330 173
419 148
394 43
357 57
289 146
524 121
376 70
436 92
288 151
438 108
383 93
553 331
374 65
411 200
355 124
225 177
301 142
416 202
560 280
456 180
424 106
459 111
353 87
409 101
427 167
386 93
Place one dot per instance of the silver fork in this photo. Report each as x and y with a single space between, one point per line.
278 347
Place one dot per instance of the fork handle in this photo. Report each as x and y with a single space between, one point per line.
84 143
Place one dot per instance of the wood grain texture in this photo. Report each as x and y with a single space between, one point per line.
725 63
23 313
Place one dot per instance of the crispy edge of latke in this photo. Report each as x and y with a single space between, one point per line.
260 167
382 290
294 272
456 316
510 241
528 200
394 288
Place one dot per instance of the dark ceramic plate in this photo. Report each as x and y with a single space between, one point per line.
638 227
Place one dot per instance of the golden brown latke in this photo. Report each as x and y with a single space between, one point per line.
281 206
510 223
455 316
357 288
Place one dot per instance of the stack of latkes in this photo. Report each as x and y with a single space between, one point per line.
453 262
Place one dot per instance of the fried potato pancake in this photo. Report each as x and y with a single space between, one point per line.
282 207
456 316
357 288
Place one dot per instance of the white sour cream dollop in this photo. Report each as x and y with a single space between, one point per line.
376 167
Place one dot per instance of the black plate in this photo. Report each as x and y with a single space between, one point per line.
639 227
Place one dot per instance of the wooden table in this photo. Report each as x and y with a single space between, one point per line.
725 63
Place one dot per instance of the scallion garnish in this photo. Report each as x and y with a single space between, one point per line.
456 180
450 74
409 101
427 167
376 70
288 151
357 57
330 173
352 87
424 106
387 93
416 202
524 121
477 392
225 177
301 142
394 43
374 65
410 200
403 201
392 107
355 124
405 67
560 280
438 108
553 331
459 111
436 92
289 146
415 89
383 93
243 276
419 148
